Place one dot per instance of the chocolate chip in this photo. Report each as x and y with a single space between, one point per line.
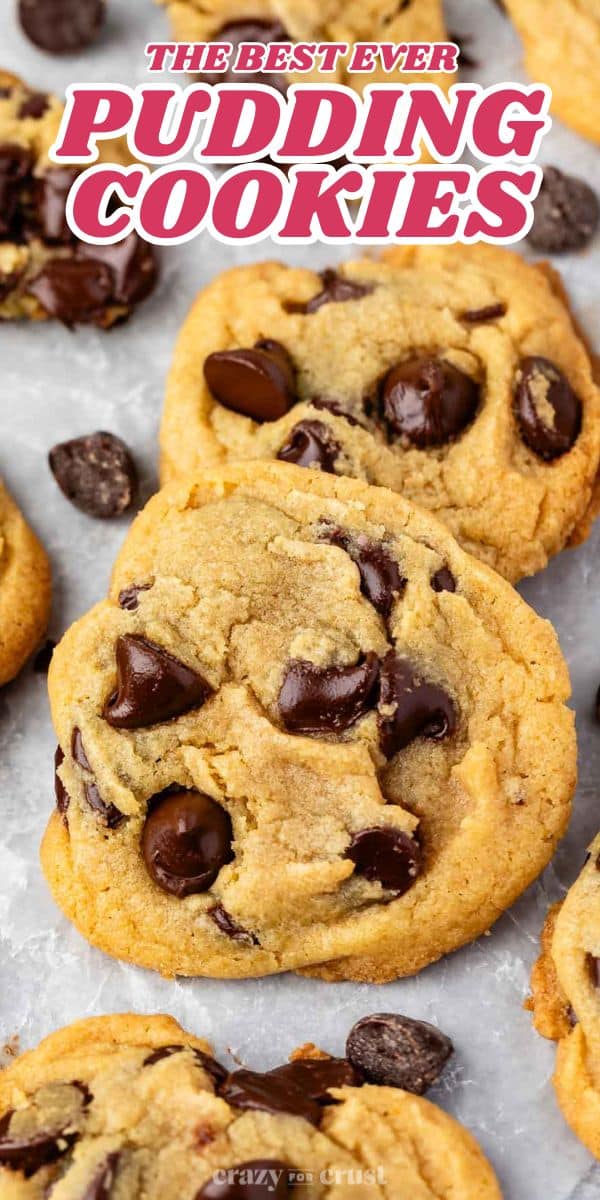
316 700
51 191
476 316
311 444
428 401
546 408
258 383
314 1076
132 264
565 213
328 404
129 598
72 291
15 164
225 922
443 580
63 799
259 1179
83 1089
386 856
593 965
96 473
77 750
217 1073
29 1153
464 40
336 290
269 1093
380 578
35 105
418 708
109 813
395 1051
5 92
61 26
43 658
101 1184
152 685
186 840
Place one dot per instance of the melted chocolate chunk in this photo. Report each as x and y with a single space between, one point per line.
259 383
96 473
565 213
43 658
63 799
152 685
15 164
547 410
73 291
109 813
77 750
328 404
29 1153
386 856
129 598
380 578
250 30
132 264
217 1073
593 965
420 709
476 316
186 840
269 1093
225 922
61 26
51 191
336 290
101 1185
317 700
443 580
259 1179
428 401
311 444
36 105
395 1051
314 1076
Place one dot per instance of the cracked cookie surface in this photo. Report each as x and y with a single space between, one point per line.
125 1106
561 40
25 589
566 999
44 270
450 374
305 731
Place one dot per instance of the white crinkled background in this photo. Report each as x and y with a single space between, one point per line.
55 385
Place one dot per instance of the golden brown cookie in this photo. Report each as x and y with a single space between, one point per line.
25 589
561 40
44 270
129 1106
450 374
566 999
305 731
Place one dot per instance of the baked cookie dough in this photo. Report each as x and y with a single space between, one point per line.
126 1106
561 40
566 999
24 589
44 270
304 731
450 374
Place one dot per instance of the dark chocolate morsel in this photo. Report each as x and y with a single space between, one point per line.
152 685
63 799
217 1073
565 213
337 290
317 700
269 1093
77 750
547 410
419 709
395 1051
593 964
186 840
51 191
258 383
72 291
491 312
443 580
250 30
101 1185
15 164
29 1153
335 407
225 922
387 856
61 26
35 104
96 473
314 1076
259 1179
311 444
380 578
110 815
129 598
428 401
132 264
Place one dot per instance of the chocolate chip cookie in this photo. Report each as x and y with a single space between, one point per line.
24 589
44 270
305 731
451 374
130 1105
566 999
561 39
